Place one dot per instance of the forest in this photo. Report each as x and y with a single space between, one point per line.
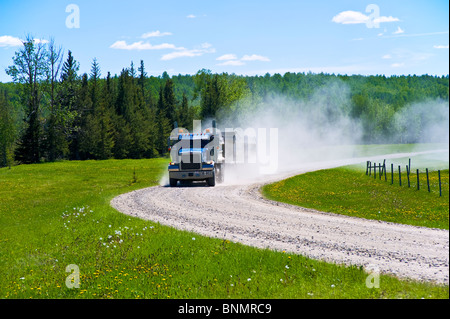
50 111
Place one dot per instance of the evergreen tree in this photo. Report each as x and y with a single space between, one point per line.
170 103
163 126
148 113
142 77
56 144
94 79
67 107
105 115
184 114
29 69
81 144
7 131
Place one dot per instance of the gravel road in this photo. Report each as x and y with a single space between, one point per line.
237 212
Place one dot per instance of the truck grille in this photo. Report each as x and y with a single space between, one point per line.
191 161
190 165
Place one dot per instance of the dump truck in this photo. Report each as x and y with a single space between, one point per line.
196 156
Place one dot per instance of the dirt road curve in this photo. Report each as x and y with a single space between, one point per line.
238 212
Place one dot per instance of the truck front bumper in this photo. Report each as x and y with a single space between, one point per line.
191 175
207 171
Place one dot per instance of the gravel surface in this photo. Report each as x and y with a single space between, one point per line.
238 212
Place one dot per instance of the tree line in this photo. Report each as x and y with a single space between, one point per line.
52 112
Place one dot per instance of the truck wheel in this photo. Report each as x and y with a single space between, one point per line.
173 182
212 180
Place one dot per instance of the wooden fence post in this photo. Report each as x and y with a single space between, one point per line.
418 183
375 170
440 189
384 169
367 167
392 173
407 175
399 176
379 170
428 181
370 168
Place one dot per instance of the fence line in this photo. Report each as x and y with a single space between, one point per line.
382 170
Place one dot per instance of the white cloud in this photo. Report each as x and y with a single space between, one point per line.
37 41
140 45
227 57
9 41
156 33
206 45
183 52
191 16
397 65
387 56
180 54
399 31
350 17
231 59
232 62
385 19
416 34
355 17
255 57
440 46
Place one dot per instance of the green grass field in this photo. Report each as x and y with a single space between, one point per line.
57 214
349 191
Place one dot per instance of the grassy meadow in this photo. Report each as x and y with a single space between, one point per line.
349 191
54 215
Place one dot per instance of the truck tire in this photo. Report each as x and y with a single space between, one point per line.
173 182
212 180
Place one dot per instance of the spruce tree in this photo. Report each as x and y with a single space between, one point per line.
30 70
80 142
7 131
67 106
56 144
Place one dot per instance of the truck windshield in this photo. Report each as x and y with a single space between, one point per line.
193 143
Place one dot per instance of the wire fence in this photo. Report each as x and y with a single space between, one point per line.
379 171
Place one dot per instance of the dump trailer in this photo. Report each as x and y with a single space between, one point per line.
196 156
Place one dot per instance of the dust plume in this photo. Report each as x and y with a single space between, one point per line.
319 128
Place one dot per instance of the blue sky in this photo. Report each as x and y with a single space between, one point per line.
237 36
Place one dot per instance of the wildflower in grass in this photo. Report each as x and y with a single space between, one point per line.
287 267
193 238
